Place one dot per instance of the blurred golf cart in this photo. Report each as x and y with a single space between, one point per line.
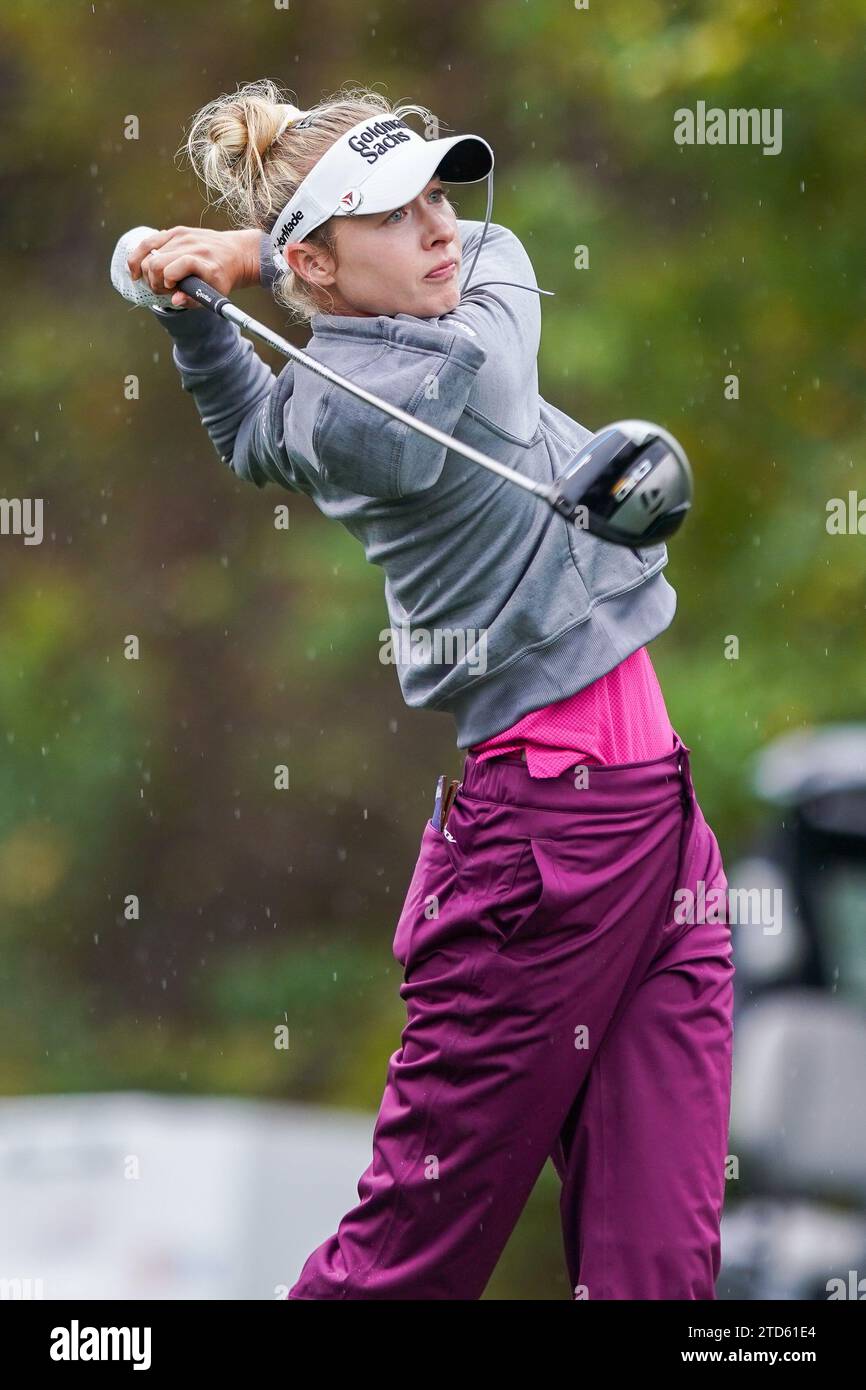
795 1214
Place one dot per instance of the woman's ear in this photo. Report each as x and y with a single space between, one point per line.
310 264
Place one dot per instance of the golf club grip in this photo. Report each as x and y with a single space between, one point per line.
203 292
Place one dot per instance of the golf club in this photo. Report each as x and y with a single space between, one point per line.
631 484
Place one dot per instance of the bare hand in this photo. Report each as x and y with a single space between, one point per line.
226 260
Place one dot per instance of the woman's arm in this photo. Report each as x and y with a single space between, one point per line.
433 372
500 303
505 319
237 395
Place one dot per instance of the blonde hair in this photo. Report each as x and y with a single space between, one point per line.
237 148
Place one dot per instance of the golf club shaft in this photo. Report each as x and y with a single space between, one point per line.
206 295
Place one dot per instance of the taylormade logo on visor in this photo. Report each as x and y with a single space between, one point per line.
293 221
368 143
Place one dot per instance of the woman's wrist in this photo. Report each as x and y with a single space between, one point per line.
267 268
249 241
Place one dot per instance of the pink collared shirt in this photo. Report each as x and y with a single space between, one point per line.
620 718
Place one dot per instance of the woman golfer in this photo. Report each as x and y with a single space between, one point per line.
568 993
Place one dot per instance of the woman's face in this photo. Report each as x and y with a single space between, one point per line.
384 259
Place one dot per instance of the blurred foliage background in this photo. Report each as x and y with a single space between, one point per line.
156 777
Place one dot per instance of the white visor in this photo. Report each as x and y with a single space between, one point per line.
376 166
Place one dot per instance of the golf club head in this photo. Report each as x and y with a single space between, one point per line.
634 480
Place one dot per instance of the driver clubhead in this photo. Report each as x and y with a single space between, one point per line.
635 482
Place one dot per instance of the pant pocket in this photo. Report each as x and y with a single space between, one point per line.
434 882
516 911
544 910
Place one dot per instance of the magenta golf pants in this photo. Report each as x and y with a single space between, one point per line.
568 985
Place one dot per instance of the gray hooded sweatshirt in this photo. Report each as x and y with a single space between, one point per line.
497 605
